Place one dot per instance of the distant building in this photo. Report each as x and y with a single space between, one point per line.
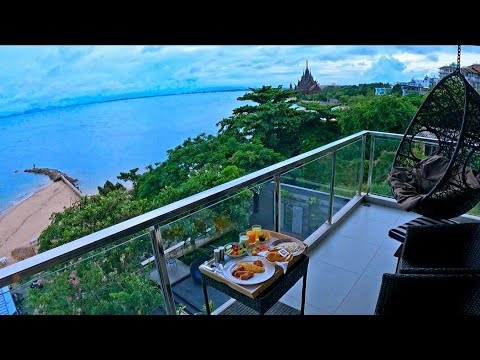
419 86
471 73
446 70
383 91
408 89
307 85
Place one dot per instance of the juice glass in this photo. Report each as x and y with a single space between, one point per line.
258 229
252 234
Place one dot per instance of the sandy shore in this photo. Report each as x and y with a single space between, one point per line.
26 220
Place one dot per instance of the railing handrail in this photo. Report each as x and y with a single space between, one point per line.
63 253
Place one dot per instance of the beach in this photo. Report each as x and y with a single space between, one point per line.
27 219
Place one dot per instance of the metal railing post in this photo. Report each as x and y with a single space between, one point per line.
370 163
277 202
157 245
362 165
332 188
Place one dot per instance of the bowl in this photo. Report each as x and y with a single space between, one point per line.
235 250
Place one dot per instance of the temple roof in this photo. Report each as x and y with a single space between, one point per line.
307 84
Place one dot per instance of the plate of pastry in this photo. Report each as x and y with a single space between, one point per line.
249 270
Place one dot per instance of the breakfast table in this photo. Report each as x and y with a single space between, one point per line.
262 296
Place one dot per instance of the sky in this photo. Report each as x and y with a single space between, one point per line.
36 77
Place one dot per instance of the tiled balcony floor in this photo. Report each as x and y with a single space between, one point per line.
346 268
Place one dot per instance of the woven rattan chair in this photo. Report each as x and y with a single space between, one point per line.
421 294
449 120
447 249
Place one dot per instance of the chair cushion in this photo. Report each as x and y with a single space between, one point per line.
399 232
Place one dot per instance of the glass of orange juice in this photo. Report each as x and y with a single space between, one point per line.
252 234
258 230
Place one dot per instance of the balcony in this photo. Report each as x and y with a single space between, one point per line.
335 198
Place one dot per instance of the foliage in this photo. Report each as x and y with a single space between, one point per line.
94 288
269 94
200 156
397 90
90 214
109 186
347 90
323 110
279 126
130 176
381 113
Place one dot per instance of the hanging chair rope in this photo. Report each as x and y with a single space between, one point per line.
459 51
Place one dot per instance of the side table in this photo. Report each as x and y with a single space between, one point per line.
263 296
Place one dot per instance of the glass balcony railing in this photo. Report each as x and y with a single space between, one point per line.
146 265
109 280
305 197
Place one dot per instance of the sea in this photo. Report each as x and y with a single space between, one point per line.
95 142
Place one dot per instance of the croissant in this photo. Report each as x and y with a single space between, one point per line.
275 256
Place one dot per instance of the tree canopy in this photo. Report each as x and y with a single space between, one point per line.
260 133
381 113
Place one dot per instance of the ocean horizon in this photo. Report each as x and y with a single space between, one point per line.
95 142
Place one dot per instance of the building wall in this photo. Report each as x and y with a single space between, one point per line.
472 78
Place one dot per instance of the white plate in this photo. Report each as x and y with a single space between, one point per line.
257 278
280 242
250 248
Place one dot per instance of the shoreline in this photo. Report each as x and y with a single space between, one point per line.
22 223
21 199
54 175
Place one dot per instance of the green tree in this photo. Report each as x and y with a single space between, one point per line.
109 186
95 287
397 90
90 214
269 94
380 113
279 126
130 176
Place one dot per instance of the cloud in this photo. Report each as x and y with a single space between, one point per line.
385 69
41 76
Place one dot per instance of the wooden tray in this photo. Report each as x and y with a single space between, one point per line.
249 290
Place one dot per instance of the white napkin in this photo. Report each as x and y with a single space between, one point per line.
282 264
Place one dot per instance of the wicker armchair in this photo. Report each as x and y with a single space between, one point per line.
421 294
441 249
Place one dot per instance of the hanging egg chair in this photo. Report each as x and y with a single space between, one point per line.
436 168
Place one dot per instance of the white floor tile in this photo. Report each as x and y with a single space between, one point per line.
382 262
327 285
345 252
362 299
366 230
391 244
309 309
376 213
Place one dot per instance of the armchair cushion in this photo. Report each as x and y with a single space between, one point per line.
441 249
424 294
